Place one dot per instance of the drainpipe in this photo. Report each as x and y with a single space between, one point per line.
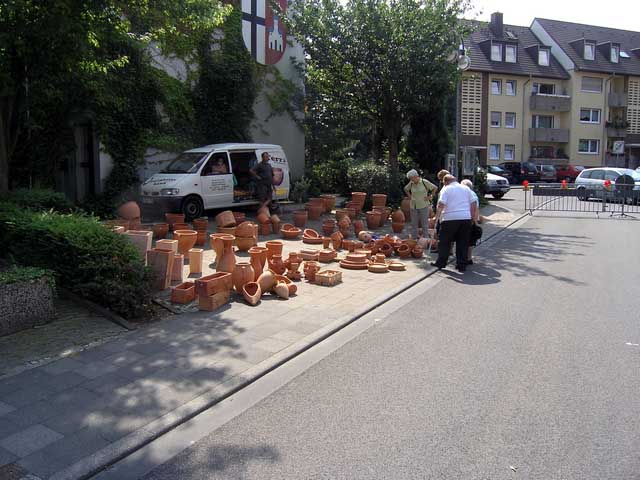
604 130
524 123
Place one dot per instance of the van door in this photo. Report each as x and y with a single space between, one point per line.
217 181
280 167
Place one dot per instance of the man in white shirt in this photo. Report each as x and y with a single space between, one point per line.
456 208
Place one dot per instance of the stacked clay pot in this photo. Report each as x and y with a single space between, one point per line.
258 260
378 200
173 218
315 207
329 202
264 220
246 236
405 206
397 221
328 226
373 219
357 200
345 227
300 218
201 226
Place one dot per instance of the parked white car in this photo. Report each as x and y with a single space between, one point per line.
496 185
591 181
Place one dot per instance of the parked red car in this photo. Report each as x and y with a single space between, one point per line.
567 172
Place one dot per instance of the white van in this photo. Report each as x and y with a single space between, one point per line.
214 176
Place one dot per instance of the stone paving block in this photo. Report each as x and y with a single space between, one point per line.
106 383
92 355
253 355
62 366
151 347
63 453
8 427
64 381
5 408
123 358
27 441
268 329
288 336
95 369
116 346
6 457
303 327
271 345
22 380
233 366
26 396
88 415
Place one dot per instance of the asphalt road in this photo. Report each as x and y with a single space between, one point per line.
528 366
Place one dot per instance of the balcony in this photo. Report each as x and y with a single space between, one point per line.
556 135
550 103
617 99
632 138
617 129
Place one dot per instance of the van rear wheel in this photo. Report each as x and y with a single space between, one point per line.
192 207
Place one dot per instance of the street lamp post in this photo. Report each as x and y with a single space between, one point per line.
463 63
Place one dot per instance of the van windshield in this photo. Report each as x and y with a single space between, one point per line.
187 162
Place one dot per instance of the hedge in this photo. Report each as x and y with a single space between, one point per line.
39 199
86 257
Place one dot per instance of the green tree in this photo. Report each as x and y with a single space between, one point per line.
61 53
379 60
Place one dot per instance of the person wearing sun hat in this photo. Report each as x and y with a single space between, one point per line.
419 192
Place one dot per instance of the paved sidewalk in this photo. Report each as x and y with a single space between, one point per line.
66 419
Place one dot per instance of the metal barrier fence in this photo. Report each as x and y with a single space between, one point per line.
556 198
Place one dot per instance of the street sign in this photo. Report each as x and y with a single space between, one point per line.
264 34
618 147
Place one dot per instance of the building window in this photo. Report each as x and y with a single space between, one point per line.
591 147
543 57
592 84
509 121
589 51
511 87
510 53
615 54
496 52
542 121
509 152
496 87
496 119
589 115
544 88
494 152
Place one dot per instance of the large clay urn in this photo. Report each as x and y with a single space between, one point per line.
397 227
276 264
398 217
186 240
129 211
300 218
243 273
378 200
225 257
358 198
258 260
160 230
373 220
405 206
329 202
267 280
274 247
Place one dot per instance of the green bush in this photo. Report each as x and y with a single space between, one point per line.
330 176
16 274
39 199
370 177
300 190
86 257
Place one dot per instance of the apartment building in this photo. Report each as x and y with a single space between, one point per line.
530 94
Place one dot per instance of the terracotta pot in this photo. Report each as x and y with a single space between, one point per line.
239 216
358 226
378 200
341 213
274 247
387 249
129 211
294 257
201 238
373 246
275 222
210 284
328 226
201 223
404 251
336 239
300 218
226 230
344 223
226 219
181 226
410 242
276 264
373 220
183 293
315 211
225 257
263 217
405 206
417 252
329 202
353 212
348 245
265 228
290 232
397 227
195 260
252 292
160 230
358 197
245 229
214 301
380 258
310 270
266 280
212 237
326 241
174 218
244 243
281 290
287 281
258 260
242 273
186 239
398 217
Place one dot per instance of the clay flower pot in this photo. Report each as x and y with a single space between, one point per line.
398 217
201 223
210 284
404 251
181 226
290 232
129 211
287 281
244 243
352 212
160 230
186 240
348 245
263 217
378 200
242 273
252 292
225 257
245 229
341 213
373 220
183 293
173 218
300 218
226 219
387 249
329 202
405 206
417 252
258 260
266 280
226 230
358 226
281 290
276 264
265 228
326 242
336 239
358 197
239 216
397 227
275 222
328 226
201 239
274 247
315 211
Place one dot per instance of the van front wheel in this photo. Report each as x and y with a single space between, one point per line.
192 207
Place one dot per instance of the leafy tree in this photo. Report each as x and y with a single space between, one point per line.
381 61
61 53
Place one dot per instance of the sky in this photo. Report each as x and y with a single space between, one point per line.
625 14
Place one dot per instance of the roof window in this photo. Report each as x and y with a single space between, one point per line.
589 51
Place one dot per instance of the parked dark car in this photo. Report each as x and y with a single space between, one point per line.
547 173
567 172
521 171
496 170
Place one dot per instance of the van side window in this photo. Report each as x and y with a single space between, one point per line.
597 175
586 174
218 164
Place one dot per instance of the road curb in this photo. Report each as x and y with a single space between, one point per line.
92 465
